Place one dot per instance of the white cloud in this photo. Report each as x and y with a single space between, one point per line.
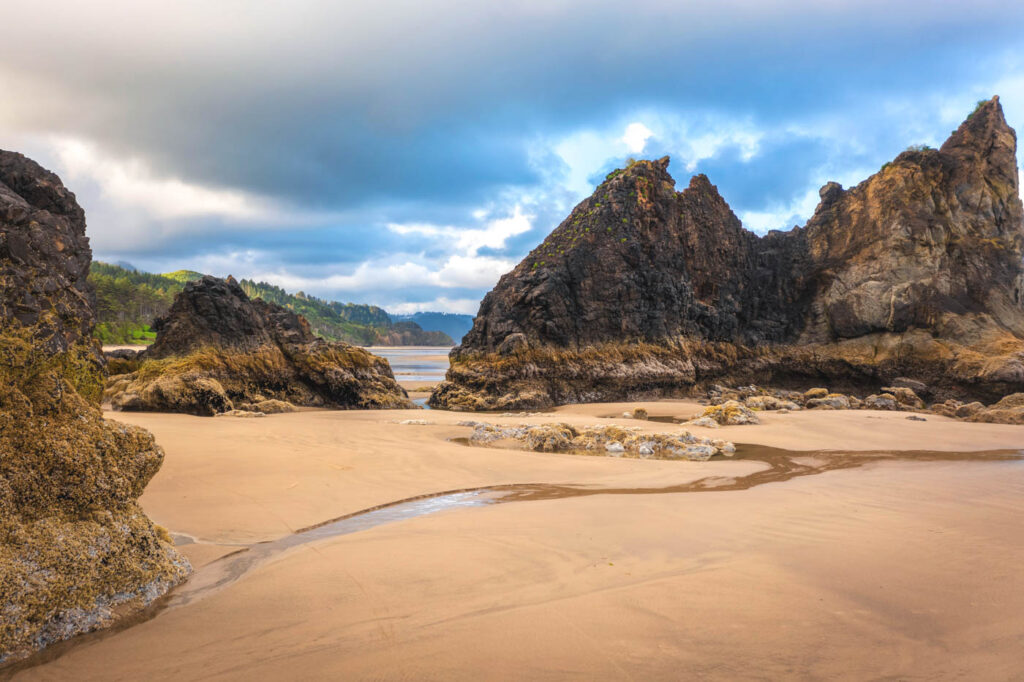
776 217
689 137
472 272
493 235
636 136
131 183
379 275
466 306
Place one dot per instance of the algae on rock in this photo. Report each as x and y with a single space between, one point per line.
74 542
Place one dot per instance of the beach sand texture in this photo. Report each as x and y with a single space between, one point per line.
905 567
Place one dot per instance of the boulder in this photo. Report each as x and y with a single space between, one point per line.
768 402
946 409
703 422
832 401
731 413
192 392
968 410
881 402
1009 410
269 407
904 396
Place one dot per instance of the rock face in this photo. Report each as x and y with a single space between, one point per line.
74 542
216 348
44 255
643 291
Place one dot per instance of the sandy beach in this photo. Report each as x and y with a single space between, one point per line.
904 567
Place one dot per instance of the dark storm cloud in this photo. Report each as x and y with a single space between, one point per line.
342 105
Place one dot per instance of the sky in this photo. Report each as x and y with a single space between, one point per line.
408 153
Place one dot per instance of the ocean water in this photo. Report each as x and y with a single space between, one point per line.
420 363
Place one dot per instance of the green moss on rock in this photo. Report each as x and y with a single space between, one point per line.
73 541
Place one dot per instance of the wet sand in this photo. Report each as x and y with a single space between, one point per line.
901 567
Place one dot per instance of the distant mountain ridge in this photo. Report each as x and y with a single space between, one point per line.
128 301
454 325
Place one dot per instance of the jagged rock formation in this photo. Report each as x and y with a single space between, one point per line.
74 542
643 291
216 348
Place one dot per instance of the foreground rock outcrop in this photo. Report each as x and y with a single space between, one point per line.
216 349
74 543
643 291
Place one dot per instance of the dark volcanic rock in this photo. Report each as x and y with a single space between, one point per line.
74 543
916 273
216 347
44 255
640 261
213 312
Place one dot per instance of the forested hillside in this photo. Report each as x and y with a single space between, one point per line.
358 323
129 300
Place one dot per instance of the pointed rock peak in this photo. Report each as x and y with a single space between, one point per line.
829 192
648 167
701 182
701 185
986 137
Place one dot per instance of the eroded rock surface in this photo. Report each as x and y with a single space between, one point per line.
613 441
217 349
74 543
916 274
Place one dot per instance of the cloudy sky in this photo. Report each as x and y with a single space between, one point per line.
407 153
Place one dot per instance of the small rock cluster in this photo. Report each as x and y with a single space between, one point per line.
615 441
1009 410
731 406
758 398
729 413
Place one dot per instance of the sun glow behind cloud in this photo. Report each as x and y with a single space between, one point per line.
636 136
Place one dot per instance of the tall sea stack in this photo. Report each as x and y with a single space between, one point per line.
74 542
644 291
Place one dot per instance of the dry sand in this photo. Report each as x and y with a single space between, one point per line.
903 569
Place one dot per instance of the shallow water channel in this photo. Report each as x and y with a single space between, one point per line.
781 465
